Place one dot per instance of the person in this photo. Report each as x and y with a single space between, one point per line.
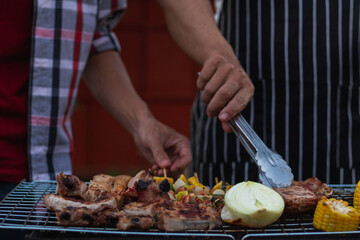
44 52
303 61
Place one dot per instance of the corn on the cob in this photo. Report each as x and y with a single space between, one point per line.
357 197
332 215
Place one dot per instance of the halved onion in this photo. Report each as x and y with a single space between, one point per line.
252 204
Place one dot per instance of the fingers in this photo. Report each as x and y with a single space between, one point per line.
218 79
159 155
226 87
226 127
208 71
237 103
182 162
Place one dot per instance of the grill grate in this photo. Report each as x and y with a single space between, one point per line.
23 209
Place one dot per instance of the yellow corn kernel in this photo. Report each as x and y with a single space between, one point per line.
357 197
332 215
159 179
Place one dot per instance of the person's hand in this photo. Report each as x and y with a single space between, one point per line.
226 88
163 147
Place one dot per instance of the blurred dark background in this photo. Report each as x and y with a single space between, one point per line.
163 76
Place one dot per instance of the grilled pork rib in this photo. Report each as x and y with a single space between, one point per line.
125 223
150 204
83 216
148 191
183 216
70 186
57 203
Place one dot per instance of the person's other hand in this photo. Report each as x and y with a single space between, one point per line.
226 88
163 147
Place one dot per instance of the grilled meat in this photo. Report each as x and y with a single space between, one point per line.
70 186
83 216
316 186
103 186
168 216
148 191
98 204
138 215
138 209
302 196
57 203
297 199
125 223
183 216
143 175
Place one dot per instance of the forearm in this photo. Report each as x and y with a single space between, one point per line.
107 79
192 25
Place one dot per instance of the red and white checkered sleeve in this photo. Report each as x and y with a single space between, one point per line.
110 13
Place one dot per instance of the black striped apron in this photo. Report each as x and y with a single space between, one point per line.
303 59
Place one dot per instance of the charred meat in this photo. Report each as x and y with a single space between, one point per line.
83 216
70 186
57 203
184 216
148 191
302 196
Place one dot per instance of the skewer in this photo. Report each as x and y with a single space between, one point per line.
216 180
196 176
165 175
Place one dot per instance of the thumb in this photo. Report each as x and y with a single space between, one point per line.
160 157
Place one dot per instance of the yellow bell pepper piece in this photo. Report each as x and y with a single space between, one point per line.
183 178
228 186
159 179
194 182
217 186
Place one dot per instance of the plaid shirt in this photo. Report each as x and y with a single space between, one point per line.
64 34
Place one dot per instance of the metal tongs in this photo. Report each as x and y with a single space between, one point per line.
273 170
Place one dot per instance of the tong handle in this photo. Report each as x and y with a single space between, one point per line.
244 132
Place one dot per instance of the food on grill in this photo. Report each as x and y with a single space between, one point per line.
55 202
83 216
148 191
334 215
104 186
149 203
154 199
169 216
316 186
144 175
302 196
125 223
70 186
252 204
357 196
180 216
160 179
298 199
79 205
137 215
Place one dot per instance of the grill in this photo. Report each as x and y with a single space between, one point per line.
23 209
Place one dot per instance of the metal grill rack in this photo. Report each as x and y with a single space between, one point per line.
23 208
